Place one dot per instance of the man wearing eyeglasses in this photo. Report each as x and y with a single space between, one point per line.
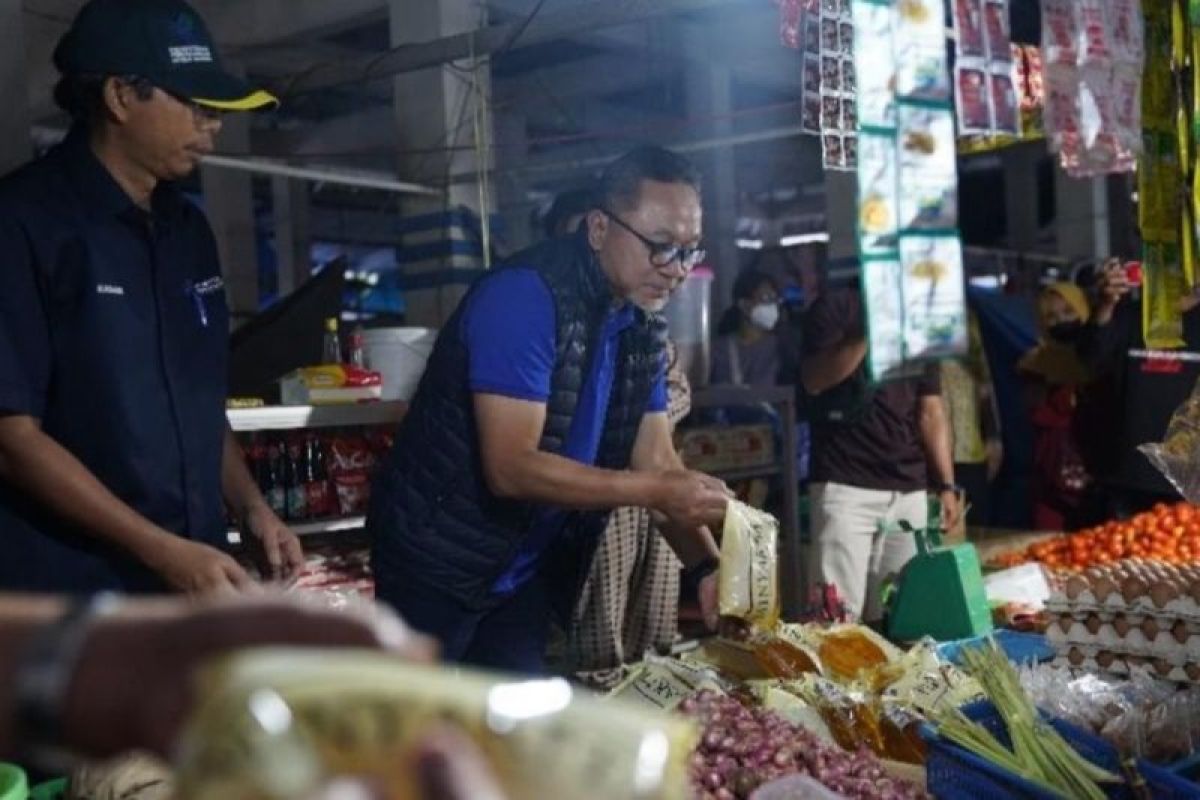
116 462
543 407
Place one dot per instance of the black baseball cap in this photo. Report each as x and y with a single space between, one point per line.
163 41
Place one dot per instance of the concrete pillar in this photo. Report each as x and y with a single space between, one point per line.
15 144
1021 195
841 211
229 203
512 188
293 241
1083 216
710 96
440 121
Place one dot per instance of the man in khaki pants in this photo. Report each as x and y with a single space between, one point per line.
877 451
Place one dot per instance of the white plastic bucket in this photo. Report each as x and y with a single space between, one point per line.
399 354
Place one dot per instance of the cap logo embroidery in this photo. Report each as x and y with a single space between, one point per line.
191 47
108 288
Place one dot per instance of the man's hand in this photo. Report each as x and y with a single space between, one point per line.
276 547
1113 285
135 682
707 591
197 569
692 499
952 508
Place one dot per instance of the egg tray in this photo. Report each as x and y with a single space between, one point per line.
1086 603
1166 645
1094 660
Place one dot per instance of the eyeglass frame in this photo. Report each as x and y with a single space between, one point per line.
657 250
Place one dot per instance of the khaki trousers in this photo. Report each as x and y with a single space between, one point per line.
854 545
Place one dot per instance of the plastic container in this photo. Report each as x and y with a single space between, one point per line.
399 354
13 783
954 773
689 323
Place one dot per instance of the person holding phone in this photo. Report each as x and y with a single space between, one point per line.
1149 385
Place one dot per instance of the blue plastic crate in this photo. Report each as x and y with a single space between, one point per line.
957 774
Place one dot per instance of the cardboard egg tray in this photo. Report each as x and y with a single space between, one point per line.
1096 660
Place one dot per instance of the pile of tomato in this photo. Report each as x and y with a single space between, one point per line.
1169 533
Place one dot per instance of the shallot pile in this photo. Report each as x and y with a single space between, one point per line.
743 748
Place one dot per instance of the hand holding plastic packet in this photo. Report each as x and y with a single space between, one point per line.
749 583
1177 457
281 723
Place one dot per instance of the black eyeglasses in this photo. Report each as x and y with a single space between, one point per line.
144 88
662 254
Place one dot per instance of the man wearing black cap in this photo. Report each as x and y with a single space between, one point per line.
115 456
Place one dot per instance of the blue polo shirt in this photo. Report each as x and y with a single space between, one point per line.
510 332
114 333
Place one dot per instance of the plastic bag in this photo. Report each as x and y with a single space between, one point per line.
279 723
749 583
794 787
664 682
1177 456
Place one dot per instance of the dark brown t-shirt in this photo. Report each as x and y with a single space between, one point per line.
882 448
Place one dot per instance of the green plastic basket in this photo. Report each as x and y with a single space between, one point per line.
50 790
13 783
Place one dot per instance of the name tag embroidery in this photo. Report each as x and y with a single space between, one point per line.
214 284
108 288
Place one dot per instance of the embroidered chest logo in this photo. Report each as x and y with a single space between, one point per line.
213 284
110 289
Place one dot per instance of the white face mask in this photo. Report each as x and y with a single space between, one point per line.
765 315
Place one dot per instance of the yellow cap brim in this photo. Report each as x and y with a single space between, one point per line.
251 102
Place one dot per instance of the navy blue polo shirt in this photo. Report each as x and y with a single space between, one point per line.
510 331
114 333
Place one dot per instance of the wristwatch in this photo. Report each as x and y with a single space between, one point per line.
942 488
43 678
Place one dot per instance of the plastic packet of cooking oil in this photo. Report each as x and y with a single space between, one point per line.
883 300
920 47
875 64
748 584
276 724
664 683
926 683
934 292
878 193
1177 456
847 651
776 696
845 710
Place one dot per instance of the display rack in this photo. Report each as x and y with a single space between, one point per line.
284 418
783 400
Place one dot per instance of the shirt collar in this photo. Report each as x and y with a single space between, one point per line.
101 192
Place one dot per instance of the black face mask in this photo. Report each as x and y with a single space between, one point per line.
1066 332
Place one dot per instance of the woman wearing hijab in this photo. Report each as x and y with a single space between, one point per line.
1061 484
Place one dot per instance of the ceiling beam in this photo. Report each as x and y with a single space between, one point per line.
547 26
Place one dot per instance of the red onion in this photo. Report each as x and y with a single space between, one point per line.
744 747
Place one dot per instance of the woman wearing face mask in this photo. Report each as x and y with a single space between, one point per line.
1062 487
748 351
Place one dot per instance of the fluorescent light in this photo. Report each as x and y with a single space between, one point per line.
803 238
749 244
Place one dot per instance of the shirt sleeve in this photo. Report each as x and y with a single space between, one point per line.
509 330
831 319
1101 347
24 333
930 382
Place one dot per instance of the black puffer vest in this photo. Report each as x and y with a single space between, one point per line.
432 518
